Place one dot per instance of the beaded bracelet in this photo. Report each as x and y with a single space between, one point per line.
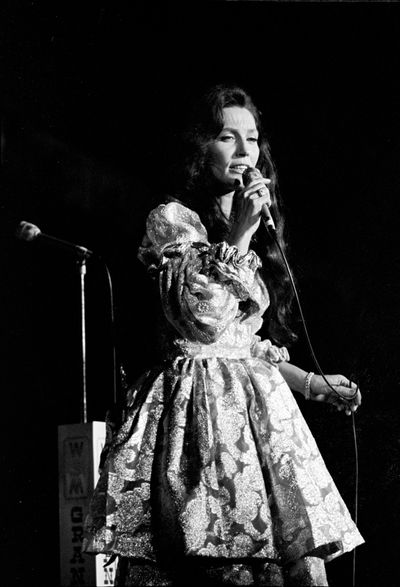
307 385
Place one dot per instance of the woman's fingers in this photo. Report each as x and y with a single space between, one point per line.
259 201
347 399
351 395
255 198
255 189
256 185
345 392
339 391
258 192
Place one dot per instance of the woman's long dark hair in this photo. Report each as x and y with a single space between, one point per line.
204 125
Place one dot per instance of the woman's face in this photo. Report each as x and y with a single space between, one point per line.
235 148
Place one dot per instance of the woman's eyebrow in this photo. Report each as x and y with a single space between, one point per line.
231 129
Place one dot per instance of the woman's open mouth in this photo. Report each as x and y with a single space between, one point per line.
238 168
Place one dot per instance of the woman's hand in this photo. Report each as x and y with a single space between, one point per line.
349 398
248 203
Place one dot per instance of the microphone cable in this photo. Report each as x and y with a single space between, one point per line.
272 233
113 332
99 259
112 326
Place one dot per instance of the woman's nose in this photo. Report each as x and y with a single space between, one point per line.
241 147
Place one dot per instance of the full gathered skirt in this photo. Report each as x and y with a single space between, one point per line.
214 466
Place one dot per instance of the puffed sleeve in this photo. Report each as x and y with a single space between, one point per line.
264 349
201 284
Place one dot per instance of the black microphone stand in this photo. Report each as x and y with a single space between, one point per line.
79 448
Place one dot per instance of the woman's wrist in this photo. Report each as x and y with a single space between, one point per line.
240 241
307 385
294 376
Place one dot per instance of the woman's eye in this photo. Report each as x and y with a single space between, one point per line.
226 138
252 140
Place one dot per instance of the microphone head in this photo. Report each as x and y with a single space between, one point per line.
27 231
249 174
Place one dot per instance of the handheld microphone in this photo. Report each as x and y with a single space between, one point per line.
29 232
249 174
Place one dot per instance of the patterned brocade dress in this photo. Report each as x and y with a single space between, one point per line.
214 471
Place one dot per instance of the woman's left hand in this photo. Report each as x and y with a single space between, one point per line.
345 394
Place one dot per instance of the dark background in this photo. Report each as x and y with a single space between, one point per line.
91 96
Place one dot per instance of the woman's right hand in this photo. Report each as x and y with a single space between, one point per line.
248 203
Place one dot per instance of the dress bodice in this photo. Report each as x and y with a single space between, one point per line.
213 296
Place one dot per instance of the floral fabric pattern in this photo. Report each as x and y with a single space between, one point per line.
214 459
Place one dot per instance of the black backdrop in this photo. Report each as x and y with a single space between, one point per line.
91 97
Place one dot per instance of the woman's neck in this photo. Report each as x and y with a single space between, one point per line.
225 202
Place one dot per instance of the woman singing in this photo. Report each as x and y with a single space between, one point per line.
213 475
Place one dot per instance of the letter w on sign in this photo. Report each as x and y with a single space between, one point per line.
76 459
